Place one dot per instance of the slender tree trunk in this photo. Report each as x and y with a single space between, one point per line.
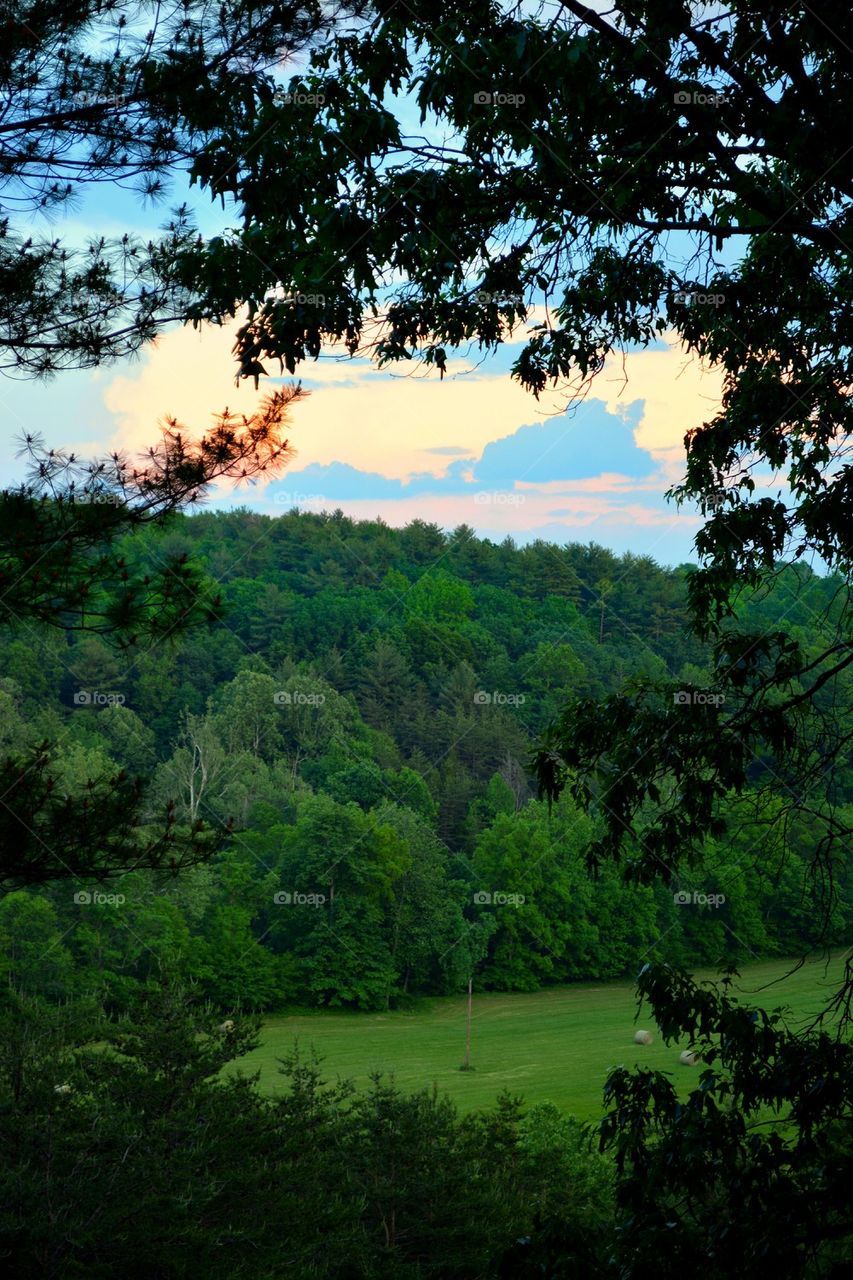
467 1061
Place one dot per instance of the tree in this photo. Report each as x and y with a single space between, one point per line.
360 782
127 738
734 1176
424 914
62 565
62 562
198 767
247 714
658 124
467 953
34 960
653 167
336 868
92 98
148 1152
55 832
101 93
236 971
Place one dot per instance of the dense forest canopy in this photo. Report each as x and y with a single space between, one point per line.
361 714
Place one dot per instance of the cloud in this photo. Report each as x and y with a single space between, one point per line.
585 479
585 442
367 440
609 488
589 445
338 480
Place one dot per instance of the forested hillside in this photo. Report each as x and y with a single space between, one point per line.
362 712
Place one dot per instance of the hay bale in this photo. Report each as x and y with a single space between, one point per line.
689 1058
643 1037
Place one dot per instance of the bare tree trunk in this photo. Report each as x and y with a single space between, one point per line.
466 1065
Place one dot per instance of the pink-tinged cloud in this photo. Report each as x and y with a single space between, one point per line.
425 446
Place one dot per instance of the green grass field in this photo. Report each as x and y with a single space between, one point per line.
556 1044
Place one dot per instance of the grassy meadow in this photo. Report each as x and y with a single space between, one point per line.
557 1044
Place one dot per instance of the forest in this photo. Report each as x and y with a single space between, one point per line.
356 729
263 771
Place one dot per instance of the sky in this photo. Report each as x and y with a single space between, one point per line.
473 448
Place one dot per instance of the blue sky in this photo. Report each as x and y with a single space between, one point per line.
473 448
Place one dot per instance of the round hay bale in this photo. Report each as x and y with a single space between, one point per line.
643 1037
689 1058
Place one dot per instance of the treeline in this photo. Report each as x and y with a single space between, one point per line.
363 714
